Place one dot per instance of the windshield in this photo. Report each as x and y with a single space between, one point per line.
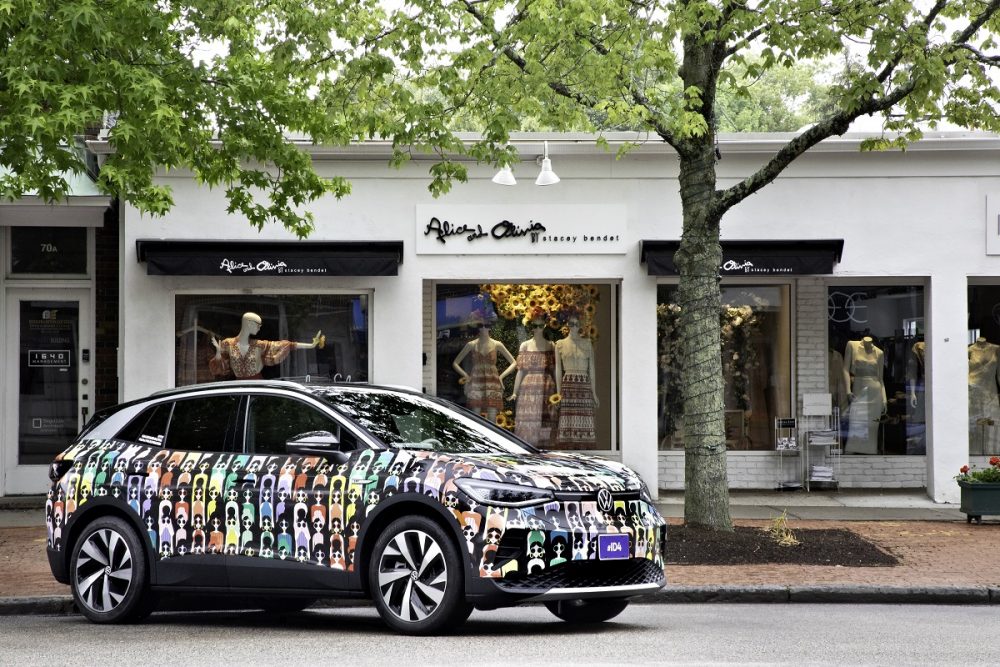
415 422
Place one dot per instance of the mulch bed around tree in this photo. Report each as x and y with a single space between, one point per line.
754 546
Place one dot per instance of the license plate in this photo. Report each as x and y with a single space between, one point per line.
612 547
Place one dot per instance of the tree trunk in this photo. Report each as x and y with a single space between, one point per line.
706 485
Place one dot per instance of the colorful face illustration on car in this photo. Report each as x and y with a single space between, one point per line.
309 501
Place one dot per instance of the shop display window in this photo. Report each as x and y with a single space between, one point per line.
756 363
876 367
534 358
321 335
984 370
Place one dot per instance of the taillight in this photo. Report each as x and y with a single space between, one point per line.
59 468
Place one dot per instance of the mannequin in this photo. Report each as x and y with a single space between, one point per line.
984 404
576 385
484 386
533 385
915 371
246 358
863 364
916 435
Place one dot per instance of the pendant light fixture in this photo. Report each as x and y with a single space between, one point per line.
546 176
505 177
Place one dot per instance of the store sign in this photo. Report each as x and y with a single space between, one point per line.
500 230
753 258
49 358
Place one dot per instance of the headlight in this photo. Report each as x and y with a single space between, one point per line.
501 493
644 493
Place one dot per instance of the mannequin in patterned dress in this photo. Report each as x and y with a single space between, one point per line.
575 384
533 385
246 358
484 385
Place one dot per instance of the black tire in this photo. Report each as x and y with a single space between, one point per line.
417 578
594 610
109 573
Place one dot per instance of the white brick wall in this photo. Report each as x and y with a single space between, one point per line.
760 471
810 342
430 339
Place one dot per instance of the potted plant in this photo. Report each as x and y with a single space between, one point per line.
980 490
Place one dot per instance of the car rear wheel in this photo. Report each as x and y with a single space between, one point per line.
595 610
109 573
416 578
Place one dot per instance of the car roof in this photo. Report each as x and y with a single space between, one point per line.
307 384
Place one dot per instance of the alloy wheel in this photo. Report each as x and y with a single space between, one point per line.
104 570
412 575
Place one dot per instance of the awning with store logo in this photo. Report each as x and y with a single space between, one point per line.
753 258
269 258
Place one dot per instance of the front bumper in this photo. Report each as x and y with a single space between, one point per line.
551 552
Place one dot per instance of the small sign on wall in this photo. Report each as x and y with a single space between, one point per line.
993 224
49 358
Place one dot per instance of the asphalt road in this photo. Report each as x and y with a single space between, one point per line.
675 634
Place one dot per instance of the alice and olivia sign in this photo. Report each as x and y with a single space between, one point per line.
540 230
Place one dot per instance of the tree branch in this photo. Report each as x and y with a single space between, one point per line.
564 90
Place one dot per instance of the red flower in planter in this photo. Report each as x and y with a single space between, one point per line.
995 461
964 470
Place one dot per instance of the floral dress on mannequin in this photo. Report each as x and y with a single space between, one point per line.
483 391
533 421
248 365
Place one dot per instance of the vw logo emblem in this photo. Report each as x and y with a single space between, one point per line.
604 500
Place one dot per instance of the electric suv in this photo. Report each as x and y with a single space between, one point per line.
288 491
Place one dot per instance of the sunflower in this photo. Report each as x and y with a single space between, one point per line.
589 309
555 399
592 290
592 332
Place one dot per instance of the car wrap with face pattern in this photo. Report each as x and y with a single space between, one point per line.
312 509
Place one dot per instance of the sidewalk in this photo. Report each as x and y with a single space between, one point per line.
942 558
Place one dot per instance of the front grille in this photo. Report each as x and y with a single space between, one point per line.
591 496
586 574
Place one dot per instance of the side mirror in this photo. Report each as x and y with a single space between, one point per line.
316 443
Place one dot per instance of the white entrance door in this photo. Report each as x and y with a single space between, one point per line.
48 382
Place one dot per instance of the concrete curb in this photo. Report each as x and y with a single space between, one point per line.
63 604
854 594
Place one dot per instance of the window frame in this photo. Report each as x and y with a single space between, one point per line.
365 441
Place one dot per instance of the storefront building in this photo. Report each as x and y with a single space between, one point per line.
854 287
59 314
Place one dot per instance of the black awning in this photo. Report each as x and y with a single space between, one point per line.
270 258
753 258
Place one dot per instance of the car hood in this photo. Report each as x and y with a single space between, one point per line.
557 471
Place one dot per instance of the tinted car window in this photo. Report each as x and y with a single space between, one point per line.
414 422
203 424
150 427
273 420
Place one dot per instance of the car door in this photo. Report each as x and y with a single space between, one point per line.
190 524
294 534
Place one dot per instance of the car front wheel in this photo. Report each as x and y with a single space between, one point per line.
416 578
108 573
596 610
